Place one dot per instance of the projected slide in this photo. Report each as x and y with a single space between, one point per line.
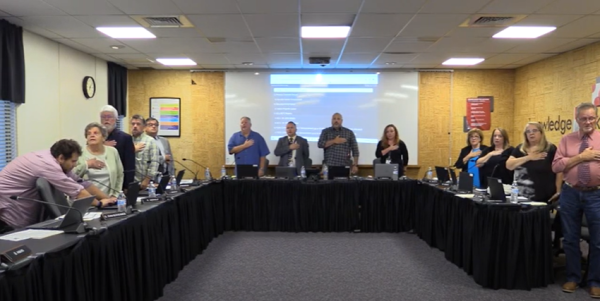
367 101
309 99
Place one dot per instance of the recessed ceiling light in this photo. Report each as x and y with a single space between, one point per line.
325 32
463 61
256 73
524 32
117 47
378 73
176 62
126 32
390 63
247 63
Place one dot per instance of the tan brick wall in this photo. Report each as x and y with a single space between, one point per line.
442 99
554 86
202 111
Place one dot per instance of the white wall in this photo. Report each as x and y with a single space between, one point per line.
55 107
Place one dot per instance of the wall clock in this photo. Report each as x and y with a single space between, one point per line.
89 87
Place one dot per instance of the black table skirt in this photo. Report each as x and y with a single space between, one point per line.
136 258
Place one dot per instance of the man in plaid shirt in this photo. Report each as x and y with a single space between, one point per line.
340 144
146 152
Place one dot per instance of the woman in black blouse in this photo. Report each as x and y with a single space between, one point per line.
532 165
391 147
467 159
492 161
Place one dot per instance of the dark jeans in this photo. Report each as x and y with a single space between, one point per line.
573 204
4 227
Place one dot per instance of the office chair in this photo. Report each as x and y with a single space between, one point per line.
309 163
50 195
376 161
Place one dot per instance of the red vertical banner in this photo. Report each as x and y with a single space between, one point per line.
478 113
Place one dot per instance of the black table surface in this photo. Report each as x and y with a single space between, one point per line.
135 257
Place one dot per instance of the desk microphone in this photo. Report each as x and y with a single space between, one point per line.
195 182
101 184
209 171
80 229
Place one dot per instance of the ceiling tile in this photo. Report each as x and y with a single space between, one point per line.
85 7
318 45
30 8
571 7
469 45
170 45
133 57
539 45
379 25
107 58
514 6
352 66
281 59
104 20
217 66
357 45
32 28
68 27
262 26
474 32
579 28
507 58
75 45
328 6
547 20
268 6
511 66
573 45
392 6
176 32
226 26
397 58
207 6
327 19
102 45
278 45
251 67
432 25
353 58
420 66
424 58
147 7
285 66
400 45
452 7
209 58
239 58
534 58
236 47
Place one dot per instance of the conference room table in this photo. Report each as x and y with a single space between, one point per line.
133 258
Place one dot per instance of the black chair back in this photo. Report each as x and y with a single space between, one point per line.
50 195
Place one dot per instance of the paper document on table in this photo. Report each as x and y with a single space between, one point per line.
186 182
465 196
89 216
30 233
535 203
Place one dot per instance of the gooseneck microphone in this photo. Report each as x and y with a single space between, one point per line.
210 172
195 182
16 198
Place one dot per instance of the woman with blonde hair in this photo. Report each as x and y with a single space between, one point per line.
391 148
532 165
467 159
492 162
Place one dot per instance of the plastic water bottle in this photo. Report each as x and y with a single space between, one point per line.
303 172
207 174
121 202
151 190
173 183
395 172
388 160
429 174
325 172
223 172
514 193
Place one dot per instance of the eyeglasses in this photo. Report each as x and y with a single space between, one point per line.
587 119
532 131
151 124
107 117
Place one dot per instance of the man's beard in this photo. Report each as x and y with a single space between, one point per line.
109 127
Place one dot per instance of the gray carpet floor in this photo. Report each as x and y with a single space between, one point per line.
334 266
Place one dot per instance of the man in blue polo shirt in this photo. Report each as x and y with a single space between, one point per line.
249 147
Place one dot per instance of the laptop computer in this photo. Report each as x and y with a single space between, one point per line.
160 189
285 172
386 171
496 190
72 218
338 172
465 182
442 174
133 190
247 171
179 177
